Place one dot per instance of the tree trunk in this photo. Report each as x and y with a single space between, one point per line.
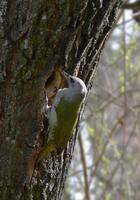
36 36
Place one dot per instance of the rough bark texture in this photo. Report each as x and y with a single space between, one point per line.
34 37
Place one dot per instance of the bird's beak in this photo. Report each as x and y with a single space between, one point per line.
69 78
66 75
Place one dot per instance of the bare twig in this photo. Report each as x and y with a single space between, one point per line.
131 6
83 160
129 20
110 179
118 122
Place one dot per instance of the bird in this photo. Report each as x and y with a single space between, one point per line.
63 114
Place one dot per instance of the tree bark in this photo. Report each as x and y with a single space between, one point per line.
36 36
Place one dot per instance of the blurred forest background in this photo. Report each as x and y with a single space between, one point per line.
106 163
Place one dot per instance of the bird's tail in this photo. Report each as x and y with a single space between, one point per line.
50 147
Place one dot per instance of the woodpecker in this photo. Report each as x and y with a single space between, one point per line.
63 114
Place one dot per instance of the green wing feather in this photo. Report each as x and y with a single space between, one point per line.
67 112
50 147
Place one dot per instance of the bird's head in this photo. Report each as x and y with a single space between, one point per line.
76 84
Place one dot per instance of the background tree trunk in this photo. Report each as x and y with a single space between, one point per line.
35 36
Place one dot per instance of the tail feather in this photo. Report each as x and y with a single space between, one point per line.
50 147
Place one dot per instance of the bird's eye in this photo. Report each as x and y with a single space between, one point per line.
72 80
